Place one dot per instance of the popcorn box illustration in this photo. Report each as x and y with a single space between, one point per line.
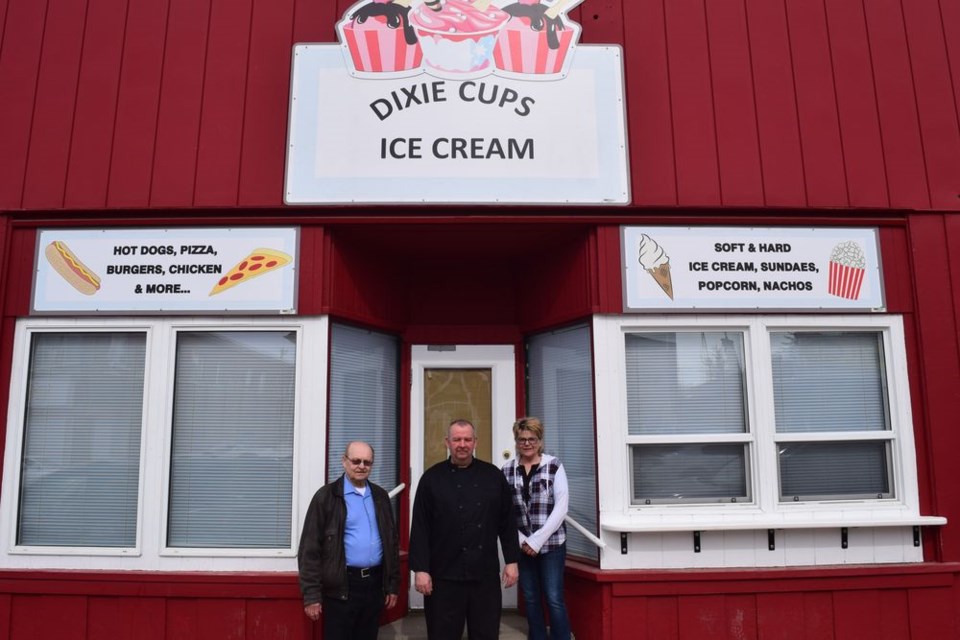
380 39
538 40
847 268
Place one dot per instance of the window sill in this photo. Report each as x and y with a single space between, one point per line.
716 522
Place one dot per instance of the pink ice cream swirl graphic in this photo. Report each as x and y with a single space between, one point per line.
458 36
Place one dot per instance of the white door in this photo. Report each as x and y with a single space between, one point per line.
475 382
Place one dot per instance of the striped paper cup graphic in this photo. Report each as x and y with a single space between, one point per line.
380 49
520 49
845 282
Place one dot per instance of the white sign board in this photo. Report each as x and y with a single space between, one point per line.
702 268
437 139
172 270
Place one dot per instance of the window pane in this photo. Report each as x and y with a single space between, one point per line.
364 388
81 452
683 383
833 470
231 474
560 393
696 472
829 382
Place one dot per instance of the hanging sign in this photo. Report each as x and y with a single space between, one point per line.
173 270
454 101
703 268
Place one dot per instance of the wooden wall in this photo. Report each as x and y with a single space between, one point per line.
732 103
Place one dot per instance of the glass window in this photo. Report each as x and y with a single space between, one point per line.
560 393
832 416
231 468
80 473
364 392
688 386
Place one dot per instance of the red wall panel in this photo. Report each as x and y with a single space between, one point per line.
138 103
935 95
650 125
88 170
691 97
181 91
221 118
265 114
777 123
53 108
738 147
110 618
816 105
856 104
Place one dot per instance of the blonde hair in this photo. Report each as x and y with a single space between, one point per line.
531 424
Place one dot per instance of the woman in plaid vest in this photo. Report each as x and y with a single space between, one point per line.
540 501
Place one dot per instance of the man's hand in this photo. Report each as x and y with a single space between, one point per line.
424 583
510 574
313 610
527 549
391 601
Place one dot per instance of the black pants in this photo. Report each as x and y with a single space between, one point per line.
357 617
454 602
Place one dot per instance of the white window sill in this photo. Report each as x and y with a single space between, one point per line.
653 523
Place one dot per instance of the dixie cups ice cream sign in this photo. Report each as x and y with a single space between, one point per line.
436 101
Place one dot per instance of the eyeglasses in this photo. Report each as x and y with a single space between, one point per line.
528 440
359 461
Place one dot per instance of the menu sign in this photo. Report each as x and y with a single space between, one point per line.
174 270
687 268
460 101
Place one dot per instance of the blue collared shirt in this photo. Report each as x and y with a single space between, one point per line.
361 542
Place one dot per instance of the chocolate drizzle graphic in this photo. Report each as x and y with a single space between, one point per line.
535 14
394 13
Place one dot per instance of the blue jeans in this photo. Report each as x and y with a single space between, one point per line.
541 578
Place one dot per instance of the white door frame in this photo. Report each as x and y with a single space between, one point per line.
501 360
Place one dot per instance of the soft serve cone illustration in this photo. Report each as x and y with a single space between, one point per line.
657 263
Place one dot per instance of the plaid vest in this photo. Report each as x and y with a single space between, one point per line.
532 515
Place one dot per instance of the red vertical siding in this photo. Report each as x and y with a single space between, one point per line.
88 170
733 95
777 124
691 97
650 126
181 91
856 105
110 618
816 104
265 116
221 118
935 100
53 107
134 139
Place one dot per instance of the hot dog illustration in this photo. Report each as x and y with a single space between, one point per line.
66 263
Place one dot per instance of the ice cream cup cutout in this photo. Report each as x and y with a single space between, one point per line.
458 40
538 42
378 41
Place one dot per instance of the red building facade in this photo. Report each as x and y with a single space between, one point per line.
740 113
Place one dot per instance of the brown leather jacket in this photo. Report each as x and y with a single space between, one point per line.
321 558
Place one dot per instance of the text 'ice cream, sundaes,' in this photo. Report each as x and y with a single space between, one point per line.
657 263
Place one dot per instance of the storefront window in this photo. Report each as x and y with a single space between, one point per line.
686 416
80 470
560 392
832 417
364 393
231 467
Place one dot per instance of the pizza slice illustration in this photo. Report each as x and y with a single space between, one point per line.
259 262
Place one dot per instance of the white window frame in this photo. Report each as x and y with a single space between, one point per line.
150 551
765 511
